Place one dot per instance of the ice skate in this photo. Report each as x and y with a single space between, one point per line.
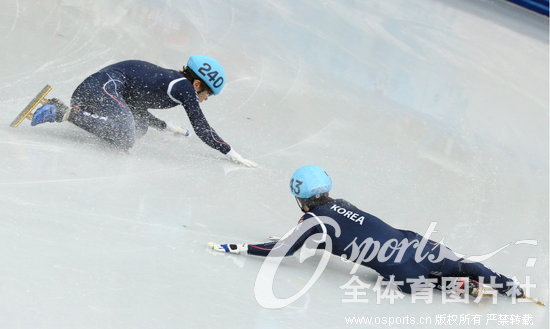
513 291
27 112
53 111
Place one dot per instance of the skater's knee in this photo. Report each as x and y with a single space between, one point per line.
123 144
125 137
121 139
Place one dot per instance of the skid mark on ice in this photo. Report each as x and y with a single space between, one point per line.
206 234
16 18
111 218
256 88
292 85
193 18
443 163
141 207
228 29
85 179
61 180
42 146
303 140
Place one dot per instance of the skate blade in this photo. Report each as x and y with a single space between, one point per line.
476 292
27 111
483 292
538 302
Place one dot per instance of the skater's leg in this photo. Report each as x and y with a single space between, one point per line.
141 123
99 108
476 272
114 125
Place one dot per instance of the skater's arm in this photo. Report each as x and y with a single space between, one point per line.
185 94
154 122
203 129
287 246
292 241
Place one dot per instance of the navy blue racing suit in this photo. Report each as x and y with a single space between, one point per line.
352 231
113 103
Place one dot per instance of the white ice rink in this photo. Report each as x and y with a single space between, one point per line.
421 111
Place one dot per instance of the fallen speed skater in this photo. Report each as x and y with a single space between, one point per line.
113 103
346 231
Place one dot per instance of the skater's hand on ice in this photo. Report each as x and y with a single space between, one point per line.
177 130
236 157
229 247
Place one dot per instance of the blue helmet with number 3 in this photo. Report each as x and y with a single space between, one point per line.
209 71
309 181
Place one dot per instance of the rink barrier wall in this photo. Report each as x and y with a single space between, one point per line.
539 6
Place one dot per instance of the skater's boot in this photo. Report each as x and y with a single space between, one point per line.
465 285
474 288
462 286
53 111
513 290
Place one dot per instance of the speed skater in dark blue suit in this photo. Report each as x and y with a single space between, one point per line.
114 102
354 235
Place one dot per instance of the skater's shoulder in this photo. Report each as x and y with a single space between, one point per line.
138 66
343 207
342 203
135 62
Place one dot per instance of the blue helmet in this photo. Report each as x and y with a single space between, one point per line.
209 71
309 181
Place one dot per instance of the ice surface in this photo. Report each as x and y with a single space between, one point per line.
420 111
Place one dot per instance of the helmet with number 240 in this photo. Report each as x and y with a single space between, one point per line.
209 71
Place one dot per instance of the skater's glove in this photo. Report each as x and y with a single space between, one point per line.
229 247
177 130
236 157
